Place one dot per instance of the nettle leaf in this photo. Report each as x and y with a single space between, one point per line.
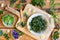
55 35
1 12
8 19
1 32
41 3
52 5
25 15
6 36
51 11
22 24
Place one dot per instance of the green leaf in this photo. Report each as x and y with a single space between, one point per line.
22 24
8 19
52 5
25 15
1 12
6 36
1 32
41 3
55 35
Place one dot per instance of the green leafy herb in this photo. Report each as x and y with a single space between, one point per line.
55 35
25 15
1 32
51 11
22 24
52 5
1 12
38 24
6 36
38 2
18 6
54 15
8 20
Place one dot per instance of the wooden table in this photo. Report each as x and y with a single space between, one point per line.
26 37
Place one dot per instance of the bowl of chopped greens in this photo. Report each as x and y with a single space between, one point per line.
8 20
37 23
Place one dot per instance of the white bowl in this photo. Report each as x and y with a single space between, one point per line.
30 19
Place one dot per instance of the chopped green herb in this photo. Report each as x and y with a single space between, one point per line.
54 15
1 32
38 24
25 15
7 20
22 24
52 5
1 12
38 2
6 36
55 35
51 11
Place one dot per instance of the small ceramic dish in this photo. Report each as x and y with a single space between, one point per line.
8 20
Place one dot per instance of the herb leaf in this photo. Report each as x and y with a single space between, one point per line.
55 35
6 36
1 12
22 24
52 5
38 2
8 20
25 15
1 32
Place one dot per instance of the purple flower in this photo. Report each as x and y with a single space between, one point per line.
15 34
